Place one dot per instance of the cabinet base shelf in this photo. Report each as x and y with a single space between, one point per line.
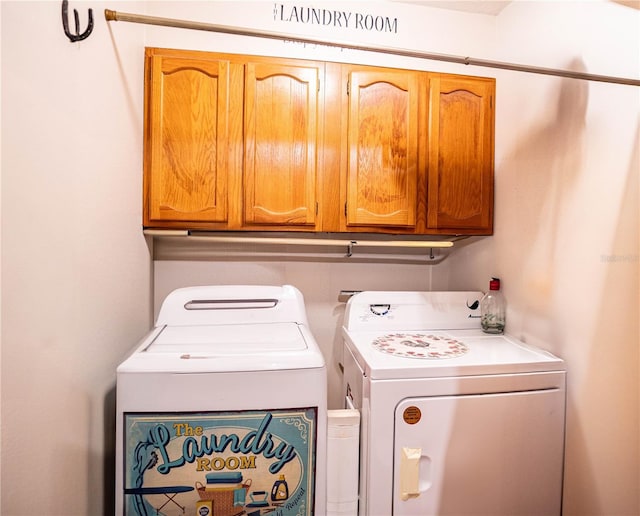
185 244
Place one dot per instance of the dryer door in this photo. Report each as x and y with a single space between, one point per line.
497 454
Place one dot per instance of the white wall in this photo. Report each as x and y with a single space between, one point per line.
76 271
566 230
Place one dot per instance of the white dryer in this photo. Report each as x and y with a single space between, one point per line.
454 421
221 409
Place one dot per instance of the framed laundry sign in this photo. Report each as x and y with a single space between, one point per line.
220 463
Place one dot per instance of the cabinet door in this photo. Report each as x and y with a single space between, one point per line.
187 139
461 154
281 140
382 143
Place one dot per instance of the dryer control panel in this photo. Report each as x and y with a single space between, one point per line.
381 310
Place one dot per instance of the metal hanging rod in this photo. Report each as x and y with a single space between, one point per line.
323 242
225 29
349 245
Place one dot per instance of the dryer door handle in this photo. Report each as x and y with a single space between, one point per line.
412 461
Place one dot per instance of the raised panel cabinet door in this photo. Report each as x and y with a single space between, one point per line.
281 144
461 154
383 136
188 132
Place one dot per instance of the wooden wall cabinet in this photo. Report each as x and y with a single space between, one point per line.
188 112
238 142
383 146
231 142
461 149
280 144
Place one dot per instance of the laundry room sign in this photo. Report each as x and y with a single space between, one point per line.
334 18
220 463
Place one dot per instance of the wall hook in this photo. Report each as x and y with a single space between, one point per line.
65 23
350 248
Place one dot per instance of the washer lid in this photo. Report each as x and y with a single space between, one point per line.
225 348
229 340
429 354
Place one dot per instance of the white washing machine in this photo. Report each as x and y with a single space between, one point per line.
221 409
454 421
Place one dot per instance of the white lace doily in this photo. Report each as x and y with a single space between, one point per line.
419 345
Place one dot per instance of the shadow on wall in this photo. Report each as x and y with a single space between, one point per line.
614 362
538 174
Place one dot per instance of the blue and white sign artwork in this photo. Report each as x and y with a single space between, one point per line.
220 463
